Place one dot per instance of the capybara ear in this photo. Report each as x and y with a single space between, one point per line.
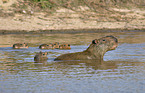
94 41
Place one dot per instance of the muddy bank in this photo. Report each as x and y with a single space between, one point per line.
69 31
65 20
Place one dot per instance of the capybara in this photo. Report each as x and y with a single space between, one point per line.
56 45
96 50
20 45
65 46
46 46
41 56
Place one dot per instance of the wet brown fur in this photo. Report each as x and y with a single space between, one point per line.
50 46
96 50
56 45
41 56
46 46
65 46
20 45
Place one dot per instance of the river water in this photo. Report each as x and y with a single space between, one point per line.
122 71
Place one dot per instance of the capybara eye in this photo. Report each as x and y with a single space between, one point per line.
43 54
64 45
68 44
54 44
104 40
47 45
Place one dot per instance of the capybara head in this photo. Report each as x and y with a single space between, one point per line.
20 45
65 46
47 46
56 45
106 43
41 56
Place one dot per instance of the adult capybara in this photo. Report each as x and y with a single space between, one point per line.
96 50
41 56
46 46
20 45
65 46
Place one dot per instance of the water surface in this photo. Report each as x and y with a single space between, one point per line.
122 71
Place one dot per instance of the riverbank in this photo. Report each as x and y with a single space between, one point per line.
69 31
64 20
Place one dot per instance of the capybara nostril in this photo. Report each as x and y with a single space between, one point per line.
114 42
114 46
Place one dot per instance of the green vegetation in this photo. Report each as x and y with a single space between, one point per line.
92 4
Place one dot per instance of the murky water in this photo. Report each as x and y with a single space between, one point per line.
123 69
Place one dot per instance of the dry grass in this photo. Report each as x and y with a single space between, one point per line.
94 5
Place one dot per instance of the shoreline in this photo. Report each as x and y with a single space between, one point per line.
65 20
68 31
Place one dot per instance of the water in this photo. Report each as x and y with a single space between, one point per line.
123 69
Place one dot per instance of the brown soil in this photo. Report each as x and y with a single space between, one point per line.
68 20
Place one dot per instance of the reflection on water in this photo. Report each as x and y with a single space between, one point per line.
122 70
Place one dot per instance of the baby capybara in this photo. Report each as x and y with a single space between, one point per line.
20 45
46 46
65 46
96 50
56 45
50 46
41 56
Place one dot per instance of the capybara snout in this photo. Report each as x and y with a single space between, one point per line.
110 42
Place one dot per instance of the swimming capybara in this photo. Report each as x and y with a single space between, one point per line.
20 45
56 45
96 50
41 56
65 46
47 46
